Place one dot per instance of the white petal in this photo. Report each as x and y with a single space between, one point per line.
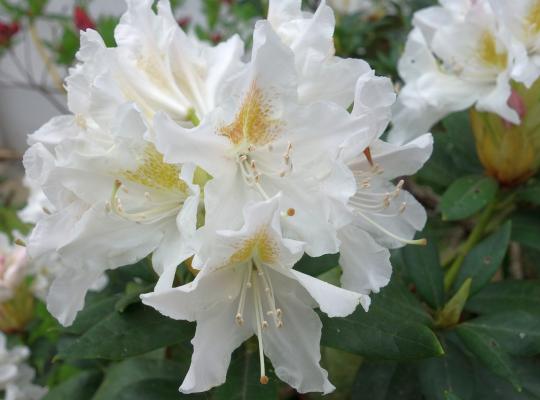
366 265
294 349
68 290
332 300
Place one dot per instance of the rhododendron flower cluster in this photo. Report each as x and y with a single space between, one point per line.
15 375
466 53
239 164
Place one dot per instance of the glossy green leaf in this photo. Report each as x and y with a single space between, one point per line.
138 330
454 153
530 192
466 196
152 378
243 378
395 328
81 387
490 386
423 267
517 331
447 375
489 352
92 314
316 266
484 259
386 381
525 229
506 296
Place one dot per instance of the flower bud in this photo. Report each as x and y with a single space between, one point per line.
82 20
7 31
16 313
510 153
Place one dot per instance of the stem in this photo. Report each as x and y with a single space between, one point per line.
51 69
472 240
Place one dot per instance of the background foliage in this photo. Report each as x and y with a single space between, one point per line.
459 321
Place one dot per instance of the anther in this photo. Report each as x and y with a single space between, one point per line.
291 212
402 207
239 319
264 380
20 242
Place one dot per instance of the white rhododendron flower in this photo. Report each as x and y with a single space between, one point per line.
262 141
15 376
115 201
185 152
155 65
521 20
247 287
456 57
12 267
321 75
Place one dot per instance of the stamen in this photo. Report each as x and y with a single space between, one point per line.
257 300
420 242
269 291
246 284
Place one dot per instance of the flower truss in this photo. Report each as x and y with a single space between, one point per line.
15 376
465 53
185 151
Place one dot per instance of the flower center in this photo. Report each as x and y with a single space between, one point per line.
166 191
489 53
384 204
254 124
532 21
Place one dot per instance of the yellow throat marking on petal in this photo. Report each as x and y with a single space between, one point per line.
532 21
156 173
260 245
489 54
253 123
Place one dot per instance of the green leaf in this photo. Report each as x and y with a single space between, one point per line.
386 381
81 387
316 266
454 153
105 27
212 9
446 376
138 330
243 378
395 328
489 352
92 314
466 196
422 265
491 387
530 193
145 375
517 331
10 222
35 7
506 296
484 259
452 310
525 229
67 47
132 295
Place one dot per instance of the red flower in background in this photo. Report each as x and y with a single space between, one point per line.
7 31
82 20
